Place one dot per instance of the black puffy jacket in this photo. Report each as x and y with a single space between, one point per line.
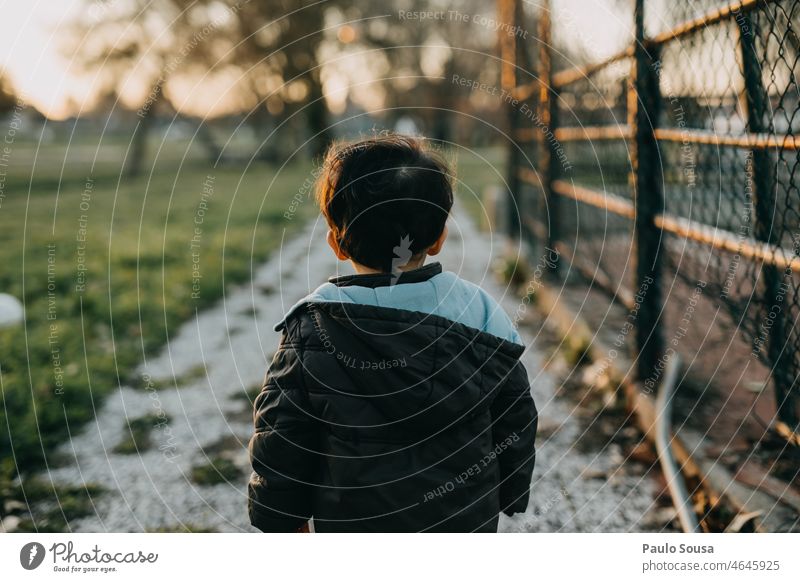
378 419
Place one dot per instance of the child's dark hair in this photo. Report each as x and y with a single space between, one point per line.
382 192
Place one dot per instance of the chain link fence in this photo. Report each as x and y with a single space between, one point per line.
667 175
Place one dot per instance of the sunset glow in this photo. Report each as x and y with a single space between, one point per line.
34 58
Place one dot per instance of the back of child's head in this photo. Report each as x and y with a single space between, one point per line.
384 192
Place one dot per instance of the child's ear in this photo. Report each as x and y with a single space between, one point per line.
334 244
436 247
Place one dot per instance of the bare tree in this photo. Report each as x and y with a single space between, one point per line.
424 55
134 48
275 47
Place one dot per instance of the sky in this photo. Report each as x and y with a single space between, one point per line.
29 53
29 45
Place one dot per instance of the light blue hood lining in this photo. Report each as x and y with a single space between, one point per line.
446 295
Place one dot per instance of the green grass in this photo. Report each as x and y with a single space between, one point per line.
190 376
248 396
219 470
85 331
139 431
55 506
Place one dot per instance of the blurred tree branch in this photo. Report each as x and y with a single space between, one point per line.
8 96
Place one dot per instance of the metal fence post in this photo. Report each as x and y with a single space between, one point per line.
764 228
509 53
548 113
646 186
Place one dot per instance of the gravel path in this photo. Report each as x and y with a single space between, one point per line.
231 345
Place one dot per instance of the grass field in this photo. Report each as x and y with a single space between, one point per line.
108 268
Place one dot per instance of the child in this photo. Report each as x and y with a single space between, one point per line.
396 400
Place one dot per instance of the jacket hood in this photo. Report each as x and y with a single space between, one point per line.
428 290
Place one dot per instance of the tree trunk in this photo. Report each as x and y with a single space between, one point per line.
136 155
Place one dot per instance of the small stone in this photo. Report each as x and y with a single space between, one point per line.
11 310
9 523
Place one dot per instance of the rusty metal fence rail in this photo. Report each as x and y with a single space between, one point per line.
673 163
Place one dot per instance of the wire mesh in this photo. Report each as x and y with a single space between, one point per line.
727 74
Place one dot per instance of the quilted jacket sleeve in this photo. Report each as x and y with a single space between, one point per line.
282 450
514 425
